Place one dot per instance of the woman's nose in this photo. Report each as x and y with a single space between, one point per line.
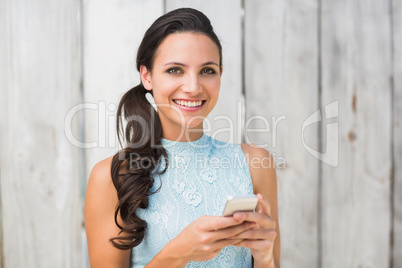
192 84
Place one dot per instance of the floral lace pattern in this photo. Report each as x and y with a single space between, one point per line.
200 176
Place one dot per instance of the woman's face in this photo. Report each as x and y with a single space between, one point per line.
185 80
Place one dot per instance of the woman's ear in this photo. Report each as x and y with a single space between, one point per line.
145 77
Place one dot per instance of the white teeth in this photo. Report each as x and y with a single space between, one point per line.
188 103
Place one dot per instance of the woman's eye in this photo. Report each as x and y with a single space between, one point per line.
174 71
208 71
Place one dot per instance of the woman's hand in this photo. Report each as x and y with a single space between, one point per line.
261 238
204 238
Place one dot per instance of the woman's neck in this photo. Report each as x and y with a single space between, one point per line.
182 134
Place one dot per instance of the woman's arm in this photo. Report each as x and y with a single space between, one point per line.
100 204
263 174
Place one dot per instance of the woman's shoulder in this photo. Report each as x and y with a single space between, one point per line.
101 172
101 195
257 157
100 181
261 165
100 205
103 165
255 150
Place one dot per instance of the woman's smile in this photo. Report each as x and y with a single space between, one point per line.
189 105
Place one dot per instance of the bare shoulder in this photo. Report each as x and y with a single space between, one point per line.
100 175
100 204
255 151
261 165
101 195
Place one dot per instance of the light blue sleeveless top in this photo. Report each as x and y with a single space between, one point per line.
201 175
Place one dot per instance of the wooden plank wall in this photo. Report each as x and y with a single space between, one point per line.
356 71
40 70
3 122
288 67
396 11
112 33
281 69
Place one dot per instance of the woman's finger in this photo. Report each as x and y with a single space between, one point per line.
233 230
224 243
212 223
264 206
256 234
261 245
261 219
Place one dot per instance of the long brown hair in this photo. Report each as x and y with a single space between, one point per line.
133 166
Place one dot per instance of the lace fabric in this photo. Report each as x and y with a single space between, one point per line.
201 175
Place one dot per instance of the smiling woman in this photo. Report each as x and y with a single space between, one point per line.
142 209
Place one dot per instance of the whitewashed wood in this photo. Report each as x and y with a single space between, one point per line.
281 80
397 124
356 70
4 105
39 167
226 119
112 33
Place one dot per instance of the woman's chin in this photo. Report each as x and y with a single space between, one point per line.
194 124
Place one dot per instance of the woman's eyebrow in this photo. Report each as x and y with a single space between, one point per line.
184 65
175 63
211 63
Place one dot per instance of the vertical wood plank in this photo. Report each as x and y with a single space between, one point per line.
226 119
39 167
356 70
281 73
112 32
3 103
396 7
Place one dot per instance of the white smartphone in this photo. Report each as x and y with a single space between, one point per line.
240 203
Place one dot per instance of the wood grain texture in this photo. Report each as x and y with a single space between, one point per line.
397 123
41 214
226 119
356 71
281 71
112 32
4 104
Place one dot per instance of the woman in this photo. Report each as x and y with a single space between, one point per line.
159 199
